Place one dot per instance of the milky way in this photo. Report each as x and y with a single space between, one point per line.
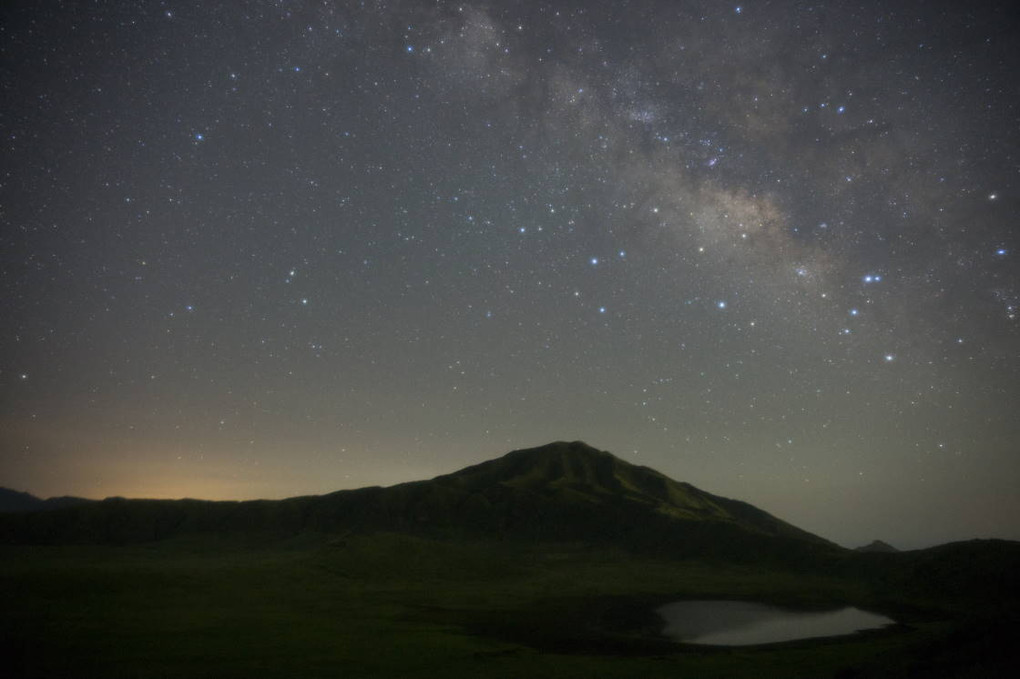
261 249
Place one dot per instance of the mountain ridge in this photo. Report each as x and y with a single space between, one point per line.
19 501
586 471
563 491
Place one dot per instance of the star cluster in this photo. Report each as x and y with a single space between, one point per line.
261 249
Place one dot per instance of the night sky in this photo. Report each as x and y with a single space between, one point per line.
265 249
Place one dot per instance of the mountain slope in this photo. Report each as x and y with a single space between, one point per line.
577 473
17 501
877 546
558 492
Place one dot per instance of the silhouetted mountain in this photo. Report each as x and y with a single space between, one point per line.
577 475
558 492
957 572
877 546
17 501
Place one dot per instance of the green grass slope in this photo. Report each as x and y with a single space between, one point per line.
578 473
397 605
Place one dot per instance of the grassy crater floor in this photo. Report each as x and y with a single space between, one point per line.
398 606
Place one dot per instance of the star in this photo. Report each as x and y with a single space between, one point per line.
447 181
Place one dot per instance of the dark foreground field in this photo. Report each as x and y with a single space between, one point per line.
388 605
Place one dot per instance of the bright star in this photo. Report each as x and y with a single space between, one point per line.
721 304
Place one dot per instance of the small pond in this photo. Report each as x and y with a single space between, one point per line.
743 623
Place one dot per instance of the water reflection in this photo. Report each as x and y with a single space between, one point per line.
742 623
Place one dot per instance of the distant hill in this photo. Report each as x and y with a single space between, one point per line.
17 501
877 546
557 492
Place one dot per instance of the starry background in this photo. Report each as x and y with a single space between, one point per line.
264 249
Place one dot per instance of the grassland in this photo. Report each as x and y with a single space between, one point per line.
389 605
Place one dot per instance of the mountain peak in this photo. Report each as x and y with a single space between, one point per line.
576 449
558 464
561 446
877 546
574 474
575 452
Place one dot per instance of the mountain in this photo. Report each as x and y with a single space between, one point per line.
557 492
576 479
877 546
17 501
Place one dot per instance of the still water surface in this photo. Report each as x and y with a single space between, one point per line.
742 623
